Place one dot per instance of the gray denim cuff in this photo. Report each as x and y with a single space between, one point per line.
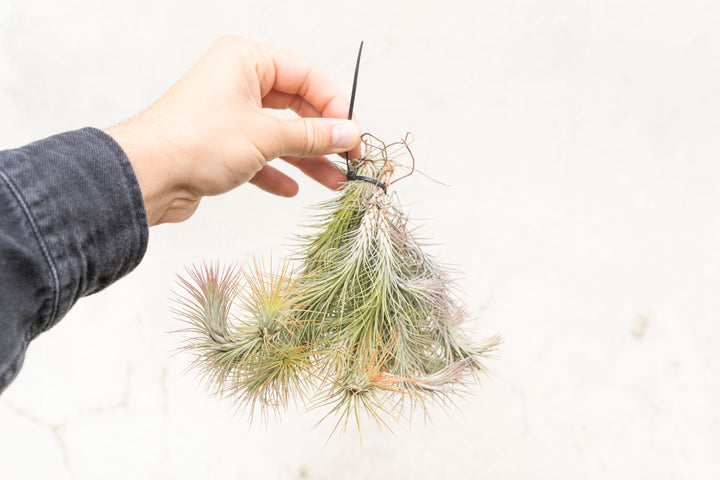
75 222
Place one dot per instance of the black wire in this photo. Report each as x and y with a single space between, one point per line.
350 174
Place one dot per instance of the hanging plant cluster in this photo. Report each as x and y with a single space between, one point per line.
362 320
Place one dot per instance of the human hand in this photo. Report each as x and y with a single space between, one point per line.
208 133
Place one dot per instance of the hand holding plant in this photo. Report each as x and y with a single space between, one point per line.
209 134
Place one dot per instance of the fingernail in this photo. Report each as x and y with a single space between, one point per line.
345 135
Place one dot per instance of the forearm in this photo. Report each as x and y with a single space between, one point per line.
72 221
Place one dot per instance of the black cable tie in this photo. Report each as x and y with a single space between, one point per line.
354 176
352 102
350 174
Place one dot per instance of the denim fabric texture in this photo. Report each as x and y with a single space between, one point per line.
72 221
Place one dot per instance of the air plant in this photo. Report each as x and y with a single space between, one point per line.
361 320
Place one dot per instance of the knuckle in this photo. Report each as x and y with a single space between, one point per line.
230 41
224 41
311 138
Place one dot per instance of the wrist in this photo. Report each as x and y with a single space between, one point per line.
149 160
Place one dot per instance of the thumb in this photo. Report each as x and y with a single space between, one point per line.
317 136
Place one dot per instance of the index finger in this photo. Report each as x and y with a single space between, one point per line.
295 75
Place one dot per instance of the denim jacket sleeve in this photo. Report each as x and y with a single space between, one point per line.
72 221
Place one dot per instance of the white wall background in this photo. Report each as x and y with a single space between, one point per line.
581 139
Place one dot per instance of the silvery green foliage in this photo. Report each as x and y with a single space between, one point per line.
366 322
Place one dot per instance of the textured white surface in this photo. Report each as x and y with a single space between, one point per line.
581 139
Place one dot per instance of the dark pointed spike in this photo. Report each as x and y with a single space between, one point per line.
355 79
352 97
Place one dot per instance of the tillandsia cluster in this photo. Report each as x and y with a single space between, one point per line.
362 320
